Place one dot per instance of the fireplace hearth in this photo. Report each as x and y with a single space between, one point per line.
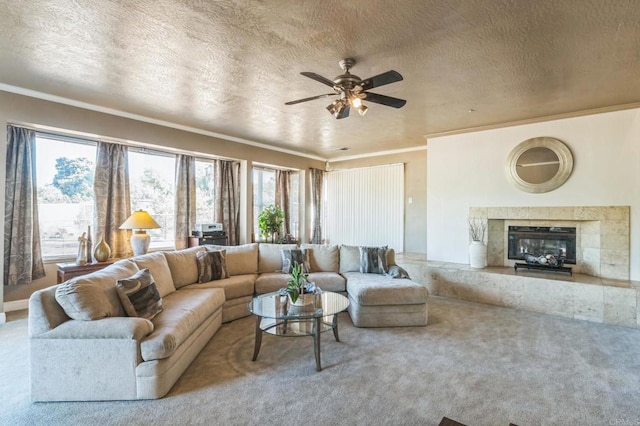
559 241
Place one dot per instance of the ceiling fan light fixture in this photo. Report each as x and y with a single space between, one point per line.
362 110
356 102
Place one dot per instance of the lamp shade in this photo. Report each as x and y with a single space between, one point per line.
140 219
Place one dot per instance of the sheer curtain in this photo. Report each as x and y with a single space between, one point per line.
185 199
227 198
317 178
112 197
22 249
283 188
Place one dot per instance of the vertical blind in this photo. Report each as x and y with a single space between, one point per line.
365 206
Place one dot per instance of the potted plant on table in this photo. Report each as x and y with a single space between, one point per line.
295 286
270 222
477 248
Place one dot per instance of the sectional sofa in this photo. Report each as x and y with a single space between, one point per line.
83 346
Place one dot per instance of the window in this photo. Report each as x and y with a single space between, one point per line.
264 194
205 192
294 205
64 173
152 186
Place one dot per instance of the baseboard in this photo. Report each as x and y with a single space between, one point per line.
16 305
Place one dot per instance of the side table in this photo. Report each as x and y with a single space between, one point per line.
69 270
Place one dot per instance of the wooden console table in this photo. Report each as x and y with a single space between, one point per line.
69 270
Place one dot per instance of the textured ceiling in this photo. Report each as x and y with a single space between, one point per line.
229 66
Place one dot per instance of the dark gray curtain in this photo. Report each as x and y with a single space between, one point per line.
112 197
283 187
185 199
317 178
227 198
22 249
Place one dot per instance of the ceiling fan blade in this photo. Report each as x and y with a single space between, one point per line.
344 113
381 79
318 78
385 100
311 98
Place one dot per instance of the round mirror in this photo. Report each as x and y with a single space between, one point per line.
539 164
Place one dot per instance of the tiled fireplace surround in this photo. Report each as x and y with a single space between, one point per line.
598 291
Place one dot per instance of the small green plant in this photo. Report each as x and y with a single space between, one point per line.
295 285
270 222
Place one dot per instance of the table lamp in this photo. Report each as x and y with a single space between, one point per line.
139 221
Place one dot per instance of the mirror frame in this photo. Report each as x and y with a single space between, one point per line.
561 176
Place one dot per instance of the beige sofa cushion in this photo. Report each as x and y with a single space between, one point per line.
328 281
94 296
376 289
234 287
157 264
184 311
323 258
183 265
271 281
349 259
241 260
270 257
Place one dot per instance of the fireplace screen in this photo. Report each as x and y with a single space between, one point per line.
539 240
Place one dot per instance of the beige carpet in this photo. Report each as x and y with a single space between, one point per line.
477 364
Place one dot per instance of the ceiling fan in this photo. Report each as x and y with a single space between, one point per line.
352 90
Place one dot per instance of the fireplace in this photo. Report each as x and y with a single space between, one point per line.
559 241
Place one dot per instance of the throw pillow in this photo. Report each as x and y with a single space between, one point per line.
291 257
139 295
212 265
373 260
396 271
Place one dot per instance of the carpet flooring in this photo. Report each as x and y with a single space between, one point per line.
476 364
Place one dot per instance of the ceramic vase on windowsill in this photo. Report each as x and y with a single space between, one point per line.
477 254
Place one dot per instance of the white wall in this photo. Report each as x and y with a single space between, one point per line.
468 170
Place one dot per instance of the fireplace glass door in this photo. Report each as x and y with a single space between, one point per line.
542 240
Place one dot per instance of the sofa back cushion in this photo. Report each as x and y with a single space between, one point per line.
157 265
323 258
183 265
349 259
270 257
241 260
94 296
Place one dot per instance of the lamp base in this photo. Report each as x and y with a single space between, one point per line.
140 243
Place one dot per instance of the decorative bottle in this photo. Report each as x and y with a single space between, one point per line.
102 251
89 249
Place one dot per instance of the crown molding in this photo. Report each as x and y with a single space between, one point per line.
378 153
564 115
111 111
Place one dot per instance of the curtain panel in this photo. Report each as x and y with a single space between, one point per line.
227 198
112 197
283 188
185 199
317 178
22 247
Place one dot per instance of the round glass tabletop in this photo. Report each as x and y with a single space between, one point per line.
277 306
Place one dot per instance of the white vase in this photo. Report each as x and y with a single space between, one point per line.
477 254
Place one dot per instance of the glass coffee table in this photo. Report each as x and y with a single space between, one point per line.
275 315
